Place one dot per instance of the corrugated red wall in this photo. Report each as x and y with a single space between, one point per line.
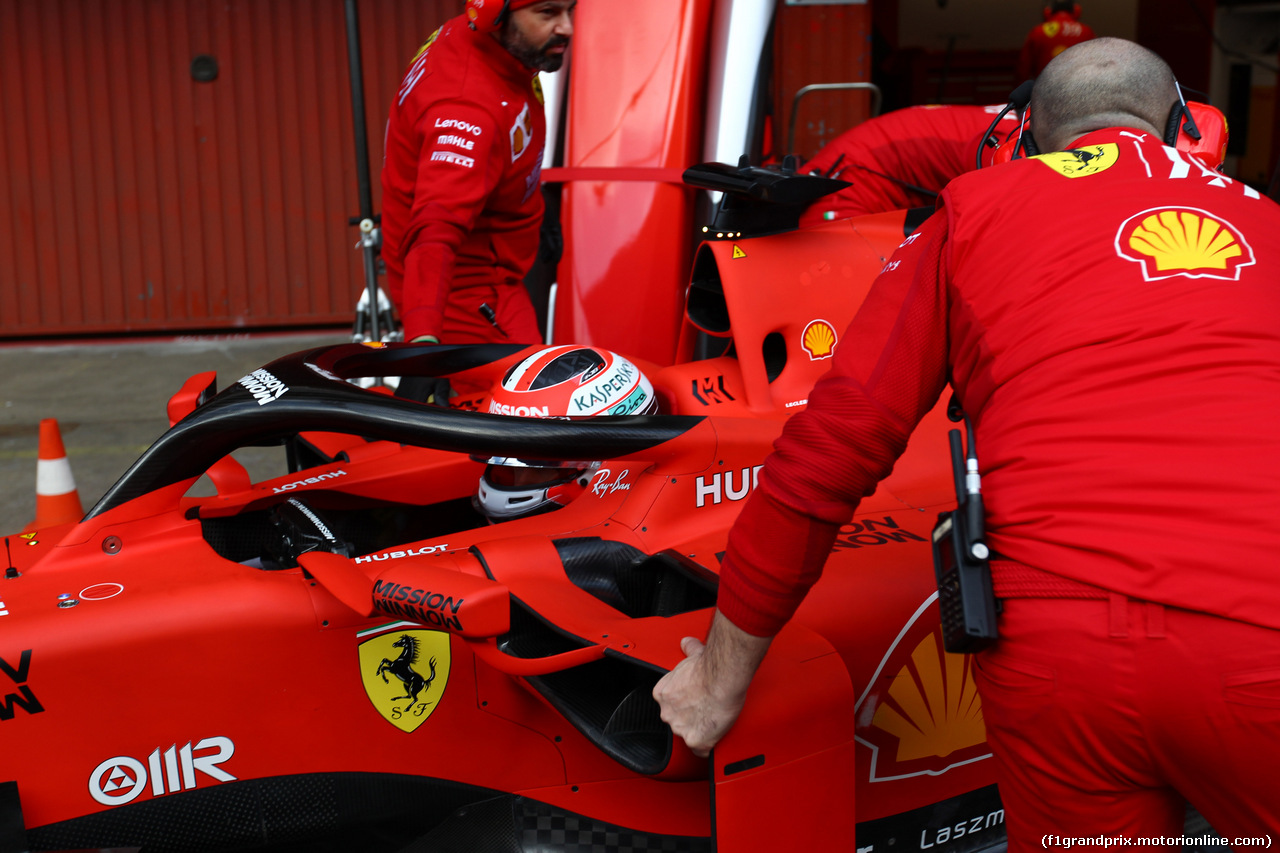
820 44
135 198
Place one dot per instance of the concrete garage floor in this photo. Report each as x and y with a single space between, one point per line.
109 400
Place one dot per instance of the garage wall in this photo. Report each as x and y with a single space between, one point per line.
136 197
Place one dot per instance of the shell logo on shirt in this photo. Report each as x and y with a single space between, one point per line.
1079 162
1183 241
521 132
818 339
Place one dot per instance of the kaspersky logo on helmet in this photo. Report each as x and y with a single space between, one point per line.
1183 241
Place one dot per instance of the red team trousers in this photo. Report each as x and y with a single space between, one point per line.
1105 706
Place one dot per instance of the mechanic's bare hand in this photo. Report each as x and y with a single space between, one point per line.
688 704
702 697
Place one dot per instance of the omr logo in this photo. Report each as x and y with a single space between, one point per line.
1183 241
122 779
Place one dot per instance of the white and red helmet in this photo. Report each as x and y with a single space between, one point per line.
573 381
562 382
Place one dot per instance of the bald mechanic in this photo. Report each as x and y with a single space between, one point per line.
1110 316
460 178
901 159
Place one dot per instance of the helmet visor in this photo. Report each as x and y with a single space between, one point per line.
521 477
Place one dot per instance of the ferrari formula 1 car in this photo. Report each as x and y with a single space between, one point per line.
349 657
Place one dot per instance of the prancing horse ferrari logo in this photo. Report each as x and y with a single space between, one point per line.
405 674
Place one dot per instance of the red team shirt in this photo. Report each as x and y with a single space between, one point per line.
1111 318
1049 39
925 146
460 188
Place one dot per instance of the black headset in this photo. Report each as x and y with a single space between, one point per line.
1180 121
475 11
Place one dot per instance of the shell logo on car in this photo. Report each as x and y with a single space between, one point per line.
1183 241
405 673
921 713
819 340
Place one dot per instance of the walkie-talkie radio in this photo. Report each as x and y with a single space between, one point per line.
965 596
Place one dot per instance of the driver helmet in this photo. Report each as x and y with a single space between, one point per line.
559 382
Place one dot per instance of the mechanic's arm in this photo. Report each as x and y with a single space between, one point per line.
889 372
702 697
460 164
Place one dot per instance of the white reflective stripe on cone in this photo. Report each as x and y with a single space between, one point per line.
53 477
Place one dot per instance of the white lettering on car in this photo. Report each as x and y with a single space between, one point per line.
407 552
718 489
121 779
602 486
288 487
263 386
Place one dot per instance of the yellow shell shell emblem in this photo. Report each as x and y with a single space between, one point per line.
935 709
819 340
921 714
1081 162
1051 29
1183 241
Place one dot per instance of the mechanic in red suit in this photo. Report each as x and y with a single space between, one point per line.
1110 319
900 159
461 199
1061 29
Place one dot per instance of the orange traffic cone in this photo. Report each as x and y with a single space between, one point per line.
57 501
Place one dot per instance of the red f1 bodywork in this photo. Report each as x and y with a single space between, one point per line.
348 657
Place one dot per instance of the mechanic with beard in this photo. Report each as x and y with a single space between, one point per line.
1109 317
461 172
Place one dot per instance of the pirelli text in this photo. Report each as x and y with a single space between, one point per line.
1105 841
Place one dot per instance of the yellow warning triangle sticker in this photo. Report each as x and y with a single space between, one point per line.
737 252
27 536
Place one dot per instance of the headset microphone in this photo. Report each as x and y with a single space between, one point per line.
1018 100
1179 112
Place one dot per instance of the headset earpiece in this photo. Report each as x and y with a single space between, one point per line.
1209 145
1049 13
1018 143
481 14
